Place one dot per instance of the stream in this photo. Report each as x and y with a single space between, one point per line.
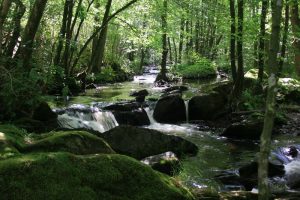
215 154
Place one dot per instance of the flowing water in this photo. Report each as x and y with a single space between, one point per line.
215 154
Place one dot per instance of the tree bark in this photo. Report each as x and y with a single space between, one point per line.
295 19
181 40
98 53
233 40
4 9
265 140
262 40
164 25
31 28
285 36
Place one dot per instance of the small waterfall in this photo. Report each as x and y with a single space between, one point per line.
150 115
187 110
88 118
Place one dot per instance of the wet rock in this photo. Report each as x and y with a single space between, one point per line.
170 109
207 107
166 163
44 113
139 93
126 106
246 129
141 143
68 176
180 88
76 142
37 126
136 117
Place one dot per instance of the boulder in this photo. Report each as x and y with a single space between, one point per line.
136 117
170 109
207 107
140 143
124 106
44 113
139 93
166 163
246 129
76 142
180 88
69 176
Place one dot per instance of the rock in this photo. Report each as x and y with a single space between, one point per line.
126 106
140 143
36 126
136 117
248 173
246 129
293 97
67 176
209 194
44 113
139 93
170 109
76 142
207 107
91 86
180 88
166 163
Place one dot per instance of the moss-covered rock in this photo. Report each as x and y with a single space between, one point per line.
140 143
66 176
77 142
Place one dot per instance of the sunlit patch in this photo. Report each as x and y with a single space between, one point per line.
2 136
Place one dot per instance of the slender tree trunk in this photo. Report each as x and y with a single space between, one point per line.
98 54
233 40
181 40
170 50
295 19
175 51
265 140
4 9
31 28
164 25
262 40
13 42
285 36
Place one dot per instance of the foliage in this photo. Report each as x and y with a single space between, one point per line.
252 101
202 68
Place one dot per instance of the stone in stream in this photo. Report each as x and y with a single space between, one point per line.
180 88
44 113
247 129
139 95
170 109
140 143
166 163
207 106
99 176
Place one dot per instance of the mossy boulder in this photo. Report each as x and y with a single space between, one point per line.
170 109
76 142
140 143
66 176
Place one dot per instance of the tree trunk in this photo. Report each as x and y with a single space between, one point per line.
170 50
265 140
31 28
233 40
164 25
20 10
295 19
239 82
181 40
262 40
285 36
175 51
4 9
98 53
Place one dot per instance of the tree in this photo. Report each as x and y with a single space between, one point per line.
295 19
262 40
265 139
4 9
233 39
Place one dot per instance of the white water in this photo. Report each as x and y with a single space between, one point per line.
187 110
95 120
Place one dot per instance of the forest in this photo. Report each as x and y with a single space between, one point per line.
149 99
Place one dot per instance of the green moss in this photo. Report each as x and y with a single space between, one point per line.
66 176
77 142
204 69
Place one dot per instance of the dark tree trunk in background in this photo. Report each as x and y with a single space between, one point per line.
164 25
262 40
175 51
31 28
180 49
4 9
239 82
19 12
295 19
265 140
98 53
233 40
170 50
285 36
